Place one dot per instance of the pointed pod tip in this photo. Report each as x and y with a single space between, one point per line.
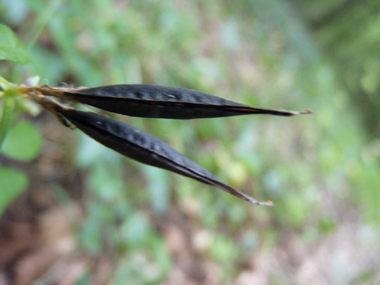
267 203
307 112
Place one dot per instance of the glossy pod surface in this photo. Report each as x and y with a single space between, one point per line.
143 147
153 101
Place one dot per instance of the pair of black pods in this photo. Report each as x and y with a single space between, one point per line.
148 101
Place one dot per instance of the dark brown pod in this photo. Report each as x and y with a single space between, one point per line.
140 146
153 101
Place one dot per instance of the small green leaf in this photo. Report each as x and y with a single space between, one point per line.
6 117
24 142
11 48
13 182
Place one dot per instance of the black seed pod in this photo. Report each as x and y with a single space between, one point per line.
153 101
140 146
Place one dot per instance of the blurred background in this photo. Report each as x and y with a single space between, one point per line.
75 212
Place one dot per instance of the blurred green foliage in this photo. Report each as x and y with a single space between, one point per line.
11 48
320 170
13 182
23 142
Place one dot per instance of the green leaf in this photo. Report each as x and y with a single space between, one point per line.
11 48
12 182
6 118
24 142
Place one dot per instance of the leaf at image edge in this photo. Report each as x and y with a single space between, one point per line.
12 182
5 119
11 48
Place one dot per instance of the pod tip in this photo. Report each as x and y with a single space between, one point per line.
307 111
267 203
